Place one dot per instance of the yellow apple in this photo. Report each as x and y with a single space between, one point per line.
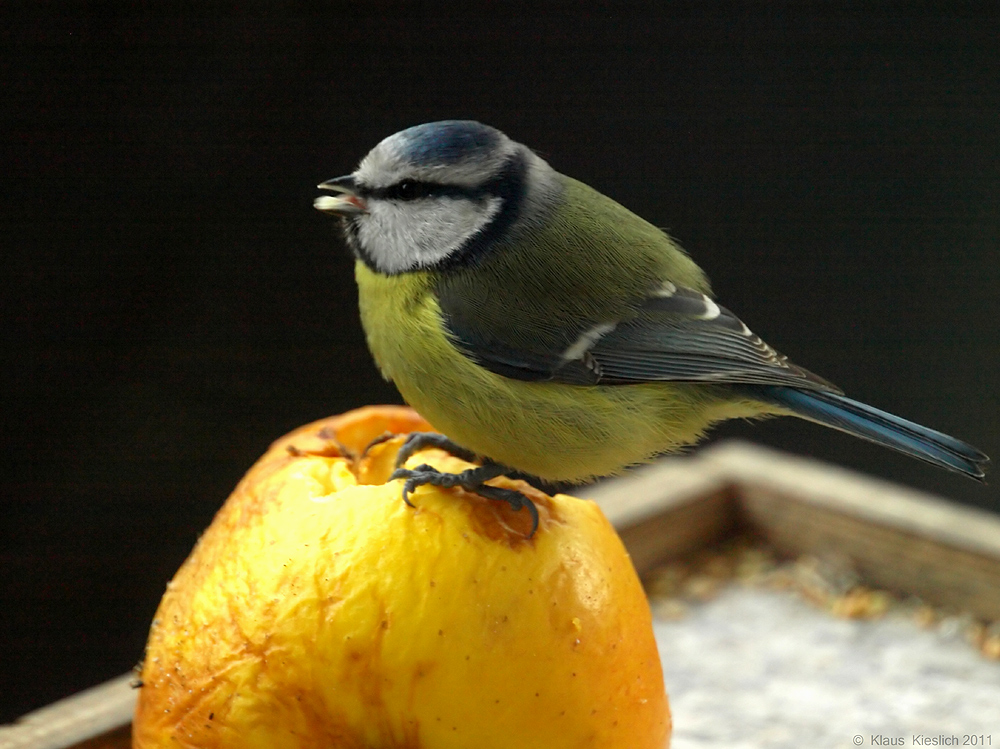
318 610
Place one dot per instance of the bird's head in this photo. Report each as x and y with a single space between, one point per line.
439 194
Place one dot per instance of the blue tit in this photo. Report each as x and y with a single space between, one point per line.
541 325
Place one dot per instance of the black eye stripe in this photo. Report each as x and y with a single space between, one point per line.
411 189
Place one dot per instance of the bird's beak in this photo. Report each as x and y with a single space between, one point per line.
347 203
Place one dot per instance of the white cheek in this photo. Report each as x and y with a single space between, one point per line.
401 236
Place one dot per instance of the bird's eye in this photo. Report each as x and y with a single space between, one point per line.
410 189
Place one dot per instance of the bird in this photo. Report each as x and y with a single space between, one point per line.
549 331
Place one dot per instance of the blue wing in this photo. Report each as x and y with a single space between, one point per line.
681 335
675 334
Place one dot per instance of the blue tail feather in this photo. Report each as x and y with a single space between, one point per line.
869 423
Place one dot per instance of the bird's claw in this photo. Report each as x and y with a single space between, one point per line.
514 498
472 480
412 478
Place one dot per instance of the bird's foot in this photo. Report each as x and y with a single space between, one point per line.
472 480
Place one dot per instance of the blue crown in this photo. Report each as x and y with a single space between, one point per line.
448 141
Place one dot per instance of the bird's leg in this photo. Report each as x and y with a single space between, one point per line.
472 480
417 441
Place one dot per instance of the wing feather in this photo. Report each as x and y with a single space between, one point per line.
673 335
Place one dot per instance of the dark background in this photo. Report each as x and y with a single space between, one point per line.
172 302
